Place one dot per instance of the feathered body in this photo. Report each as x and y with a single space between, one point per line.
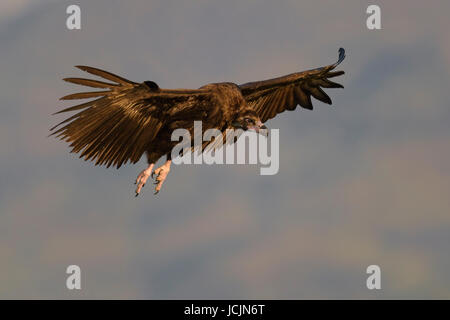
217 109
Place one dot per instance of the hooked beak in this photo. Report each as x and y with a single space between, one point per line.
260 128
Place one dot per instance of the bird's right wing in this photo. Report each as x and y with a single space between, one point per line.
121 123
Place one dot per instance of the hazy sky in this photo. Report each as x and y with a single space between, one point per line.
363 182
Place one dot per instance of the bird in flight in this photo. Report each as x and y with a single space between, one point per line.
128 119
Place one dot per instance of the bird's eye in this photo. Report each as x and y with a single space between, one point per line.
248 120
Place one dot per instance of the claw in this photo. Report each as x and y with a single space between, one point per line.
142 179
159 176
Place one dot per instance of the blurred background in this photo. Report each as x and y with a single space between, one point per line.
363 182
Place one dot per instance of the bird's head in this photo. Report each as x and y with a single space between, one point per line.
249 120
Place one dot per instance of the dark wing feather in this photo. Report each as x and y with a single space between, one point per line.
274 96
122 122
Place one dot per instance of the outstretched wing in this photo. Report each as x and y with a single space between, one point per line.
122 122
274 96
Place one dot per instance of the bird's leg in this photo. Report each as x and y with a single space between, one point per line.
161 175
142 178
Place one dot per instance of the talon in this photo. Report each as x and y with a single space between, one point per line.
161 175
142 178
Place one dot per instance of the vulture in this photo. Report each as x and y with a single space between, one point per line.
127 119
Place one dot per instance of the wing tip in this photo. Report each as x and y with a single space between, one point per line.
341 56
81 67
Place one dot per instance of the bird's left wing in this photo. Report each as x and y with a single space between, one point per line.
124 120
274 96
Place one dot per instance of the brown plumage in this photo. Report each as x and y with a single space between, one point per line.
128 119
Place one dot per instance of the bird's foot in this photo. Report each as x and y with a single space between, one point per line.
142 178
160 175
